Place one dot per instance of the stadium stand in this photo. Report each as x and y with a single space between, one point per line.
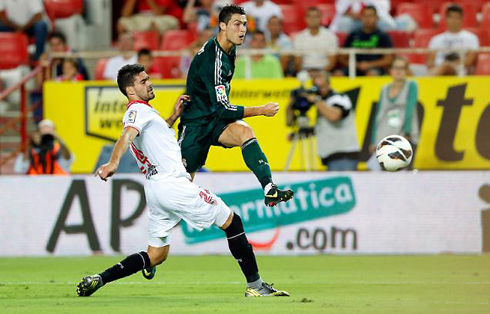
295 19
149 40
485 16
421 40
400 39
483 64
57 9
420 13
99 69
13 50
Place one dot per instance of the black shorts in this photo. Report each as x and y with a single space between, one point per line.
195 141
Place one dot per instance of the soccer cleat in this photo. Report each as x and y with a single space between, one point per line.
89 285
265 290
275 196
149 273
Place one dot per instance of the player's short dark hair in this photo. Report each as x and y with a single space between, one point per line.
454 8
227 12
144 52
370 7
57 34
125 76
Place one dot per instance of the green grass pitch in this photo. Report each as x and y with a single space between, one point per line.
214 284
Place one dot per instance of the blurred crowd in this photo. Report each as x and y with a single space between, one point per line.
313 29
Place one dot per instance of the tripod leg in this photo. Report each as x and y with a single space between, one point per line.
304 151
312 153
291 151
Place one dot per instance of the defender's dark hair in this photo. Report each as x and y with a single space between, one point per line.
454 8
58 35
125 76
144 52
370 7
228 11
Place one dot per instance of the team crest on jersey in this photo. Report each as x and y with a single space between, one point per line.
132 116
221 93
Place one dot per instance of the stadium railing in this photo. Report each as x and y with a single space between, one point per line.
351 52
19 124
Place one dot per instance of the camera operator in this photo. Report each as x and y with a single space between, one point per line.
47 153
335 129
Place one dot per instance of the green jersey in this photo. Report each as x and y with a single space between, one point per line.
208 85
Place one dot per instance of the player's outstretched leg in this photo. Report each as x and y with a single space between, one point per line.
130 265
257 162
242 251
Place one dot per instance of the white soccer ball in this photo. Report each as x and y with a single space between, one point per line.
394 153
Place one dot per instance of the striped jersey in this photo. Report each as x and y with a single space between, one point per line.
208 85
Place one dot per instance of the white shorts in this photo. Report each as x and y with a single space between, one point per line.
172 199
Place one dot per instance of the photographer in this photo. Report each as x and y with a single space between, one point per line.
47 153
335 129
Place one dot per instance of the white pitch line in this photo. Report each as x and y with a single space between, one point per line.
12 283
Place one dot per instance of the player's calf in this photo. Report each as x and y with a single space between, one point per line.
128 266
242 251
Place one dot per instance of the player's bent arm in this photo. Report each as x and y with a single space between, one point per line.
122 144
107 170
268 110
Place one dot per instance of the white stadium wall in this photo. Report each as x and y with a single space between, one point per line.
352 213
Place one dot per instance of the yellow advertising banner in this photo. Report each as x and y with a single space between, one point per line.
455 125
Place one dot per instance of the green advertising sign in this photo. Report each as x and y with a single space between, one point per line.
312 200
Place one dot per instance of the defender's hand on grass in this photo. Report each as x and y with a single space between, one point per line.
270 109
106 171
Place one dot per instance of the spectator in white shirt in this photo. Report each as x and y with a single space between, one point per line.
25 16
315 36
128 56
453 63
262 11
348 15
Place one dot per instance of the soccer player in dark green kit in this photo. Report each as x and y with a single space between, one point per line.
210 119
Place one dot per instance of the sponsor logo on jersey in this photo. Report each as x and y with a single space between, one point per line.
221 93
132 116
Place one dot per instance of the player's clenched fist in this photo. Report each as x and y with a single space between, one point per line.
106 170
270 109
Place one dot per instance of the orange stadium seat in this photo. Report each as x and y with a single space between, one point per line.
149 40
176 39
422 38
422 14
485 16
293 18
483 64
310 3
341 38
328 13
169 66
99 69
13 50
57 9
434 5
400 39
477 3
469 14
482 33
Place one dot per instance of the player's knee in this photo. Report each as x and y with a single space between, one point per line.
247 133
